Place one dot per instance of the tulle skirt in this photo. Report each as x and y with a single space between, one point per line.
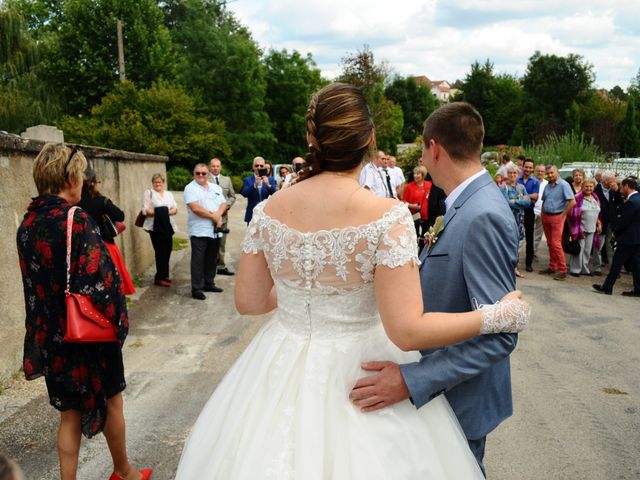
283 412
127 285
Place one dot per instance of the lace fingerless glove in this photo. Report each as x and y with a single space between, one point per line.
511 316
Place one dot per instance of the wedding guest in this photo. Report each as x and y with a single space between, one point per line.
586 226
84 380
520 164
516 196
216 176
160 208
397 175
577 177
257 187
269 166
499 179
506 163
539 172
371 177
598 177
298 163
416 196
283 172
627 235
611 203
99 206
532 187
205 206
557 201
437 198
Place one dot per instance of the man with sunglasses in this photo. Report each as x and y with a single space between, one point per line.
257 187
205 207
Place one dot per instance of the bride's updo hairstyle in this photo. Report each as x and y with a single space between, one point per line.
339 128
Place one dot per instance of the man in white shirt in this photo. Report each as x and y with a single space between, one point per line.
372 178
205 207
397 176
504 168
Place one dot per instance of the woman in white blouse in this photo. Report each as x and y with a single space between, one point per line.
160 207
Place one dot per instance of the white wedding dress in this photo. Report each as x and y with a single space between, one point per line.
283 409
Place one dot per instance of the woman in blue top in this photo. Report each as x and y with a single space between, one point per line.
517 197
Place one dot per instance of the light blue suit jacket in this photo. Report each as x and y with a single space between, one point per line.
474 258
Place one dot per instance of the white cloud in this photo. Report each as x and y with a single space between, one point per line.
441 39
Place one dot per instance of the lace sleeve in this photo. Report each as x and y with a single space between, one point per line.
253 241
398 242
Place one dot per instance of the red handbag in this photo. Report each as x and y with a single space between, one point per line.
85 324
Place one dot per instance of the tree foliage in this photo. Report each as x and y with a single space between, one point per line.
291 80
361 70
630 141
417 103
220 60
161 120
24 98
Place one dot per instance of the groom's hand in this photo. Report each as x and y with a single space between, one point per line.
381 390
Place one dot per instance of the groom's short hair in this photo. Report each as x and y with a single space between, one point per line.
458 127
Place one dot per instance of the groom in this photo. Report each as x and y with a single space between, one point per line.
473 260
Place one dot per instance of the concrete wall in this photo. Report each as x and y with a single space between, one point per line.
125 176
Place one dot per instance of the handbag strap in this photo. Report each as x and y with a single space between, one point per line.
69 231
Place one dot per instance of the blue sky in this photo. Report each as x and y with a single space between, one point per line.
441 39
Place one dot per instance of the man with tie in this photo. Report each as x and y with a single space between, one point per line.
257 187
215 176
372 178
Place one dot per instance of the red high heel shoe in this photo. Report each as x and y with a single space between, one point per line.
146 475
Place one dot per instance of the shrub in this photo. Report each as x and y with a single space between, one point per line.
559 149
178 177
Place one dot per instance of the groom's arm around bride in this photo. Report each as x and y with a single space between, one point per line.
472 263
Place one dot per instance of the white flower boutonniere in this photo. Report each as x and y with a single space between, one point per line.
431 237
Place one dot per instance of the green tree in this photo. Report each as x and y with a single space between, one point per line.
361 70
417 103
601 118
551 84
220 60
498 98
24 98
162 120
291 80
630 138
82 55
618 93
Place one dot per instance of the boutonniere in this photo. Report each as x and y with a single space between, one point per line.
431 237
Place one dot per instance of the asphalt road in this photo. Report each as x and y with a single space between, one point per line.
575 380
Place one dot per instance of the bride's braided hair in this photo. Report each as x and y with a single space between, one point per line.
339 128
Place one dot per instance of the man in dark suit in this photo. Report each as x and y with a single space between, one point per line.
215 176
627 235
611 202
257 187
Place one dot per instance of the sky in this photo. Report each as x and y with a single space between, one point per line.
441 39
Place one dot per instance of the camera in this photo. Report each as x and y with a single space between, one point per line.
222 230
297 167
262 172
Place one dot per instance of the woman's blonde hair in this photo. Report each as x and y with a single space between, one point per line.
158 176
421 169
589 180
54 165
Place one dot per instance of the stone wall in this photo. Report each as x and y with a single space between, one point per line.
125 176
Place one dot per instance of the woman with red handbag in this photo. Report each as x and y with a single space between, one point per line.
84 380
110 219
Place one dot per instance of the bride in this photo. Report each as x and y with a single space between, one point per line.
339 268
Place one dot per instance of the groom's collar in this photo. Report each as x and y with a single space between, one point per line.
469 187
456 192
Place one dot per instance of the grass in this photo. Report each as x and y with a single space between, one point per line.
138 282
179 243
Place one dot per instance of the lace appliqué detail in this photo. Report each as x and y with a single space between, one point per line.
511 316
336 260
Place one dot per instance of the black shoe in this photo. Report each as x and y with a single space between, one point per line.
529 268
600 289
225 271
574 274
213 288
631 294
198 295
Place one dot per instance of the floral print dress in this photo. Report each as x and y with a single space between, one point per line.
78 376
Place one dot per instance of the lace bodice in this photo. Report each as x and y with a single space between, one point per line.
331 271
